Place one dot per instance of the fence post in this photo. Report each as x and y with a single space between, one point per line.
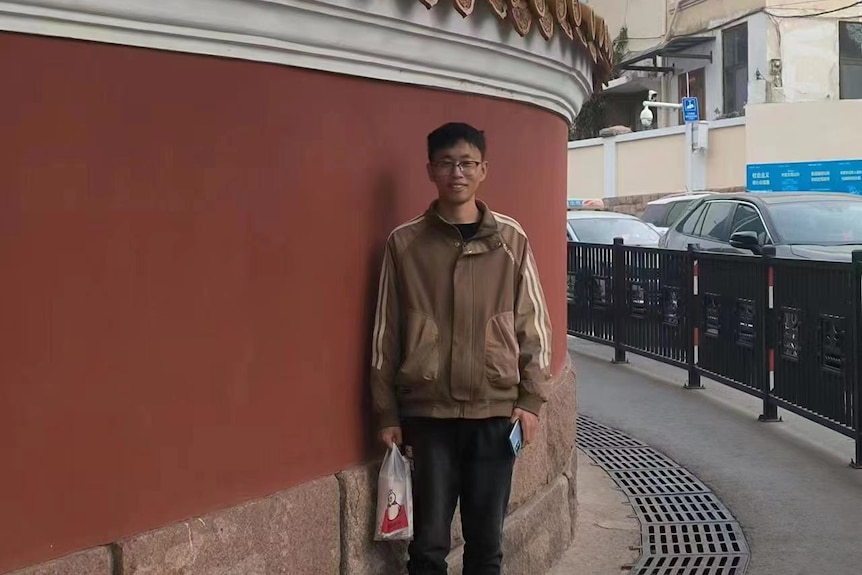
765 326
856 333
693 319
619 295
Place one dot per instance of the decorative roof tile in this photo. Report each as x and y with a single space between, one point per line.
520 16
464 7
578 22
498 7
560 11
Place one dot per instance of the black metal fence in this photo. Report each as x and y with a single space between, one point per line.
785 331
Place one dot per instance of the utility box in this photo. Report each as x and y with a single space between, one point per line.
699 136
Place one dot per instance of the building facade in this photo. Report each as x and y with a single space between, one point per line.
729 53
194 200
636 26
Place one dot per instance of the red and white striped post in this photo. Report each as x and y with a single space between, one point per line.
694 316
770 410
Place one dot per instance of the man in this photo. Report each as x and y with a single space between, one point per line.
461 349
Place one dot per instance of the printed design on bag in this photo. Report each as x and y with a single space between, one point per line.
395 516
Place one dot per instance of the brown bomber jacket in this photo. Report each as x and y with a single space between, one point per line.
461 330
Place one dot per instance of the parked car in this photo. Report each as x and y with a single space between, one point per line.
595 227
662 213
814 225
590 280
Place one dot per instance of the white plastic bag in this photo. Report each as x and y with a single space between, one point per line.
394 520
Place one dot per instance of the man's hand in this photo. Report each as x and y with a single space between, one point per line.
390 435
529 424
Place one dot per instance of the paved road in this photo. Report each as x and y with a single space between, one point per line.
789 484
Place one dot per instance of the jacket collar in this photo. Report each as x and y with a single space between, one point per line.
487 226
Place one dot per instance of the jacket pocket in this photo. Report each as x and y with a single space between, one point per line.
421 349
501 351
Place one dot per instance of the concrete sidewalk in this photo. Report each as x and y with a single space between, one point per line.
606 530
788 484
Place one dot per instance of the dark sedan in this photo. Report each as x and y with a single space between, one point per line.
816 226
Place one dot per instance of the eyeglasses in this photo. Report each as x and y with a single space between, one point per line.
468 168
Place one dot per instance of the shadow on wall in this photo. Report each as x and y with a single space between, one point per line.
385 208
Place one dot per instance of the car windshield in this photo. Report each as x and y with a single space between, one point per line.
830 222
604 230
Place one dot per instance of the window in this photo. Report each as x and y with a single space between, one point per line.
821 223
676 211
689 224
693 84
850 60
714 223
734 45
747 219
656 214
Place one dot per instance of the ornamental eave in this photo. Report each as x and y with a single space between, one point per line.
377 39
578 22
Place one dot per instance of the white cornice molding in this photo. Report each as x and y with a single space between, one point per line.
392 40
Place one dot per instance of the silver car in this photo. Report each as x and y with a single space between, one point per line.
595 227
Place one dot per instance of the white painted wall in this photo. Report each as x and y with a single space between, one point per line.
808 51
651 162
586 178
694 16
657 162
778 133
758 57
646 20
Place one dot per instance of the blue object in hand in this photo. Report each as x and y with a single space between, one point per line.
516 438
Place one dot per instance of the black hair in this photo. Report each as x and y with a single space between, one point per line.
450 134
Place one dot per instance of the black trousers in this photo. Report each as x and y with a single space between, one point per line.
468 459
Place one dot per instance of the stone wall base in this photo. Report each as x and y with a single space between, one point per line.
325 527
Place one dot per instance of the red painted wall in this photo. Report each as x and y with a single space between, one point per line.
189 249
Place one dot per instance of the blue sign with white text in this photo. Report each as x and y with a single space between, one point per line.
830 176
690 110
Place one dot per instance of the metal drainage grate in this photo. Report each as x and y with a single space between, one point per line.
593 435
657 481
695 539
692 565
685 528
628 458
685 508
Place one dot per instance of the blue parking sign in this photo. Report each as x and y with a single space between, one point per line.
690 110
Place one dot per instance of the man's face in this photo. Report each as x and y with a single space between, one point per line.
457 172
